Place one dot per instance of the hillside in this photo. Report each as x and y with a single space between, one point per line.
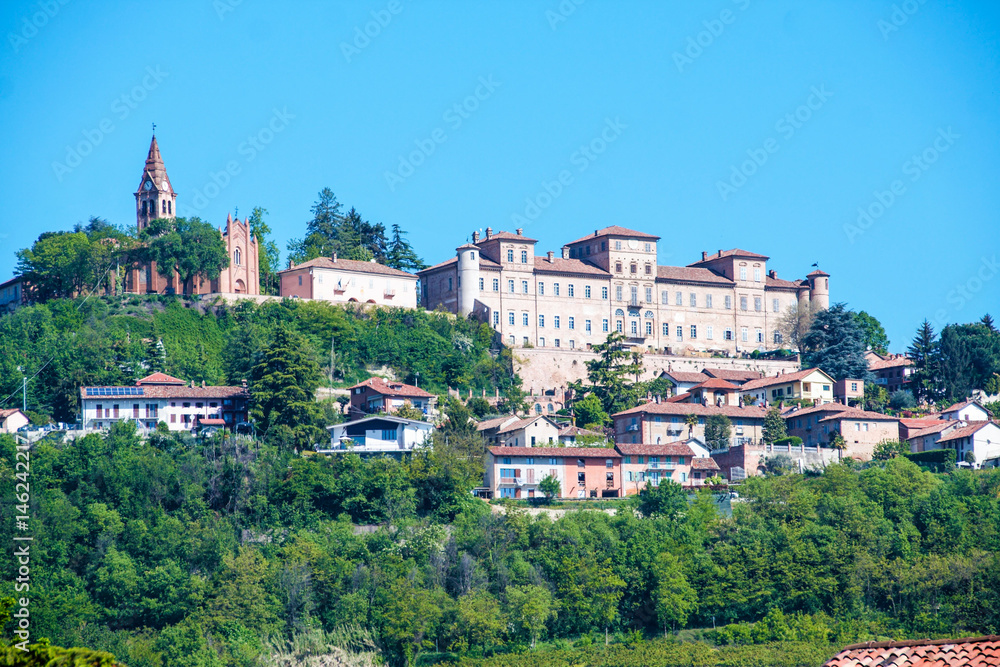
106 341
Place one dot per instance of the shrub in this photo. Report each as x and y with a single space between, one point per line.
793 440
935 460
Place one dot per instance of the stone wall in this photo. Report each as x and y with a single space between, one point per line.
749 457
548 368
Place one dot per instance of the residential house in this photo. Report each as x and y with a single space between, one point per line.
714 391
849 391
642 464
489 429
909 426
892 372
376 395
657 423
977 443
537 431
571 436
969 411
12 419
378 435
736 376
582 472
13 294
683 380
861 430
810 384
703 469
349 281
158 397
926 439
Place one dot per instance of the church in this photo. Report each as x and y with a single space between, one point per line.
156 198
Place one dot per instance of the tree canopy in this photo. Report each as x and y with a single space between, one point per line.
872 333
835 343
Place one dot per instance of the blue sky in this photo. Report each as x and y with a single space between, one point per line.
650 111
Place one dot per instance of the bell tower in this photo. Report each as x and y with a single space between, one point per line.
155 197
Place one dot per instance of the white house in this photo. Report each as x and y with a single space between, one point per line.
980 438
349 281
378 435
969 411
11 420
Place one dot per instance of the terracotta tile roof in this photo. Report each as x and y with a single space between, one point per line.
853 413
560 265
733 375
687 274
941 425
919 423
965 404
506 236
716 383
208 421
817 272
826 407
735 252
495 422
680 398
779 283
694 409
875 364
351 265
614 230
386 388
567 452
576 430
684 376
965 431
169 391
669 449
159 378
8 412
704 464
967 652
521 423
780 379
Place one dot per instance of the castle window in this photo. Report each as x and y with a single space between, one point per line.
237 256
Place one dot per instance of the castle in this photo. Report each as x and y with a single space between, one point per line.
727 302
156 198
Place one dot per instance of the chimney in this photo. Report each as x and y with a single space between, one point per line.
475 237
372 260
489 233
291 264
203 384
772 273
720 252
519 230
565 252
551 255
704 255
335 257
243 383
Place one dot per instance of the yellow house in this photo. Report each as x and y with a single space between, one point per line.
810 384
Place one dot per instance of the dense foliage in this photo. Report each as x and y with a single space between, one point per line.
965 357
106 341
183 553
836 343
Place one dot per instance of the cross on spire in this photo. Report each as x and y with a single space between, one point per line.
154 129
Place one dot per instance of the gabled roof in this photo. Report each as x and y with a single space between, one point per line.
682 409
966 431
351 265
495 422
706 463
942 425
574 431
386 388
164 391
560 265
780 283
389 418
854 413
735 252
687 274
669 449
615 230
715 383
524 423
967 652
680 398
732 374
782 379
876 363
684 376
965 404
9 412
159 378
567 452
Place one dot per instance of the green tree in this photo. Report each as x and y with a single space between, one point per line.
924 353
321 231
987 321
876 397
774 426
674 597
872 333
968 356
58 264
718 431
902 399
890 449
794 324
530 609
691 421
282 387
400 254
609 374
479 406
667 499
481 621
835 343
407 411
193 248
550 486
269 258
590 412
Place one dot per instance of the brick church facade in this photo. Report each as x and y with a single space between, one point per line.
156 198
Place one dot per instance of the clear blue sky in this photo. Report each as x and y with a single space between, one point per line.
883 88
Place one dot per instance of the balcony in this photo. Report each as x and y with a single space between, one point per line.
389 293
660 466
634 302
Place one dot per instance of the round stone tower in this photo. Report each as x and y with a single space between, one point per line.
468 278
819 289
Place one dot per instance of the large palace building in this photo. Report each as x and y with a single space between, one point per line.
727 302
156 198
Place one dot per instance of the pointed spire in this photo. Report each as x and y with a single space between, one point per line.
155 170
